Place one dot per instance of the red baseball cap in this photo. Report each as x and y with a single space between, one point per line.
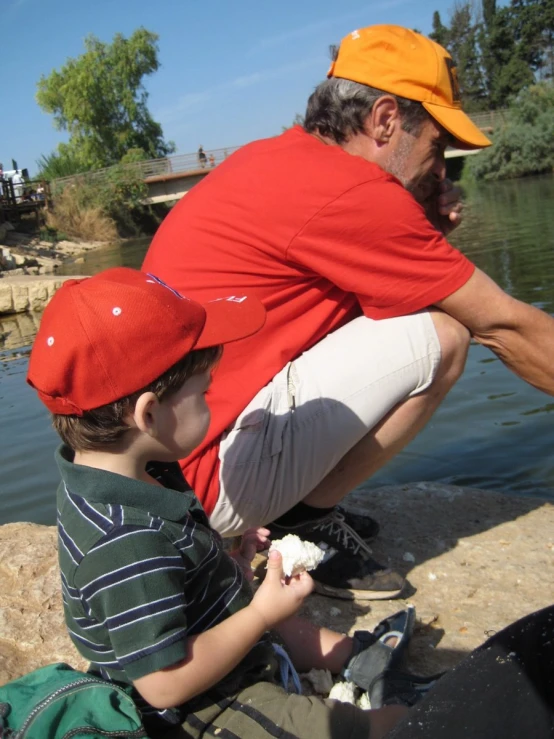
105 337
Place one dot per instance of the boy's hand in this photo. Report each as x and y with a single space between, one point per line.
252 541
279 597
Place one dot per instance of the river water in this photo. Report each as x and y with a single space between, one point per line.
493 431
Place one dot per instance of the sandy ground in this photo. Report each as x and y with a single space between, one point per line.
475 561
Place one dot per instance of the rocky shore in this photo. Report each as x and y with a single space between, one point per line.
25 254
28 276
475 560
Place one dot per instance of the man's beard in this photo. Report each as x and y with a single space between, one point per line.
422 188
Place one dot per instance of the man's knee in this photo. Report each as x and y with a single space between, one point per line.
454 340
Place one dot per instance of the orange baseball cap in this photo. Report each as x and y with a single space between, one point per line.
403 62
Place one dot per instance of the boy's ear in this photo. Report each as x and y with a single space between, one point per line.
145 413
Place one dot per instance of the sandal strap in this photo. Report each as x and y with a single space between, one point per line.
366 666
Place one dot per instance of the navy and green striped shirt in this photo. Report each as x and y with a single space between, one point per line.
141 568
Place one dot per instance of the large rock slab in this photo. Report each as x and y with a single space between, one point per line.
32 631
476 561
28 292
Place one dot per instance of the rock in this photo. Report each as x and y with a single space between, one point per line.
481 561
28 292
32 631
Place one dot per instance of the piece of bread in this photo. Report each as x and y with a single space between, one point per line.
297 555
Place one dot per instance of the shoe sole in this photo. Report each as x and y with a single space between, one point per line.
353 594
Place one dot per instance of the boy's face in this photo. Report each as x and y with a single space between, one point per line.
185 416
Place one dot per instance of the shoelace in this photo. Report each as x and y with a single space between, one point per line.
287 670
347 538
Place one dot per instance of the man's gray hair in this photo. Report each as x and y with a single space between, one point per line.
338 108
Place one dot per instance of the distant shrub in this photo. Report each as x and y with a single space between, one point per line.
524 145
109 205
61 163
77 217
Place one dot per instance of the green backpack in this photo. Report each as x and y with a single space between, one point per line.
58 702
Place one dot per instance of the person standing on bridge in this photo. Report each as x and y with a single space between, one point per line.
202 159
339 227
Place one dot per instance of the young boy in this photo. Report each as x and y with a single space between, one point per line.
150 597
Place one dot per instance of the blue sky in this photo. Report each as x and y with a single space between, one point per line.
230 72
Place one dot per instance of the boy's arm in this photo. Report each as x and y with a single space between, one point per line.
211 656
214 653
311 646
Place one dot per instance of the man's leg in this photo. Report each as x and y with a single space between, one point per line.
325 423
401 424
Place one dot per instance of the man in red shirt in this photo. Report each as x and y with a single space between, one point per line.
339 228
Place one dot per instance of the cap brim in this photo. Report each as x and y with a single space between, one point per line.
456 122
230 319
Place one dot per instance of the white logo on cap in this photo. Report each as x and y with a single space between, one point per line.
355 35
231 299
50 340
116 311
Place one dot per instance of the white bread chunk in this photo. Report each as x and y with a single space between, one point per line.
297 555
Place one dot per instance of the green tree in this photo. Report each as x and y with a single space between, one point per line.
440 32
58 164
100 99
462 43
523 145
510 59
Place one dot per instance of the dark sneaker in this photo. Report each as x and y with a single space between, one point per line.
348 570
366 527
330 528
393 687
356 576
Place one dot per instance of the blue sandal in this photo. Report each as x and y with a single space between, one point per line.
396 688
371 655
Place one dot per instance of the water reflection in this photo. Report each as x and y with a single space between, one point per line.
492 431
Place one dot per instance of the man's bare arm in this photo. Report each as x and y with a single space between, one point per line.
519 334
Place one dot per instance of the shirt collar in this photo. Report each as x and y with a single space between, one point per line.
100 486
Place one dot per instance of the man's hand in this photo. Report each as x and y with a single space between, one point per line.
444 207
278 597
252 541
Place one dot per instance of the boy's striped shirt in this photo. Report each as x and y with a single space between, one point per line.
141 569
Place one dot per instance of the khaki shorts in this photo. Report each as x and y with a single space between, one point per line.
266 711
300 425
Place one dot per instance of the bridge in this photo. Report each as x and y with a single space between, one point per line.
169 178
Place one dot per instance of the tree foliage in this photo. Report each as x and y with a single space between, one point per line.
499 50
58 164
100 100
522 146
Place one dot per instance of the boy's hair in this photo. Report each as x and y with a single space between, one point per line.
102 427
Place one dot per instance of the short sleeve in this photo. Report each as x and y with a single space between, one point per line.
375 241
132 582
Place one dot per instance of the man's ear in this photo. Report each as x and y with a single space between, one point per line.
146 413
383 120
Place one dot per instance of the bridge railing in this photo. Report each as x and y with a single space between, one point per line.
155 167
489 119
190 162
